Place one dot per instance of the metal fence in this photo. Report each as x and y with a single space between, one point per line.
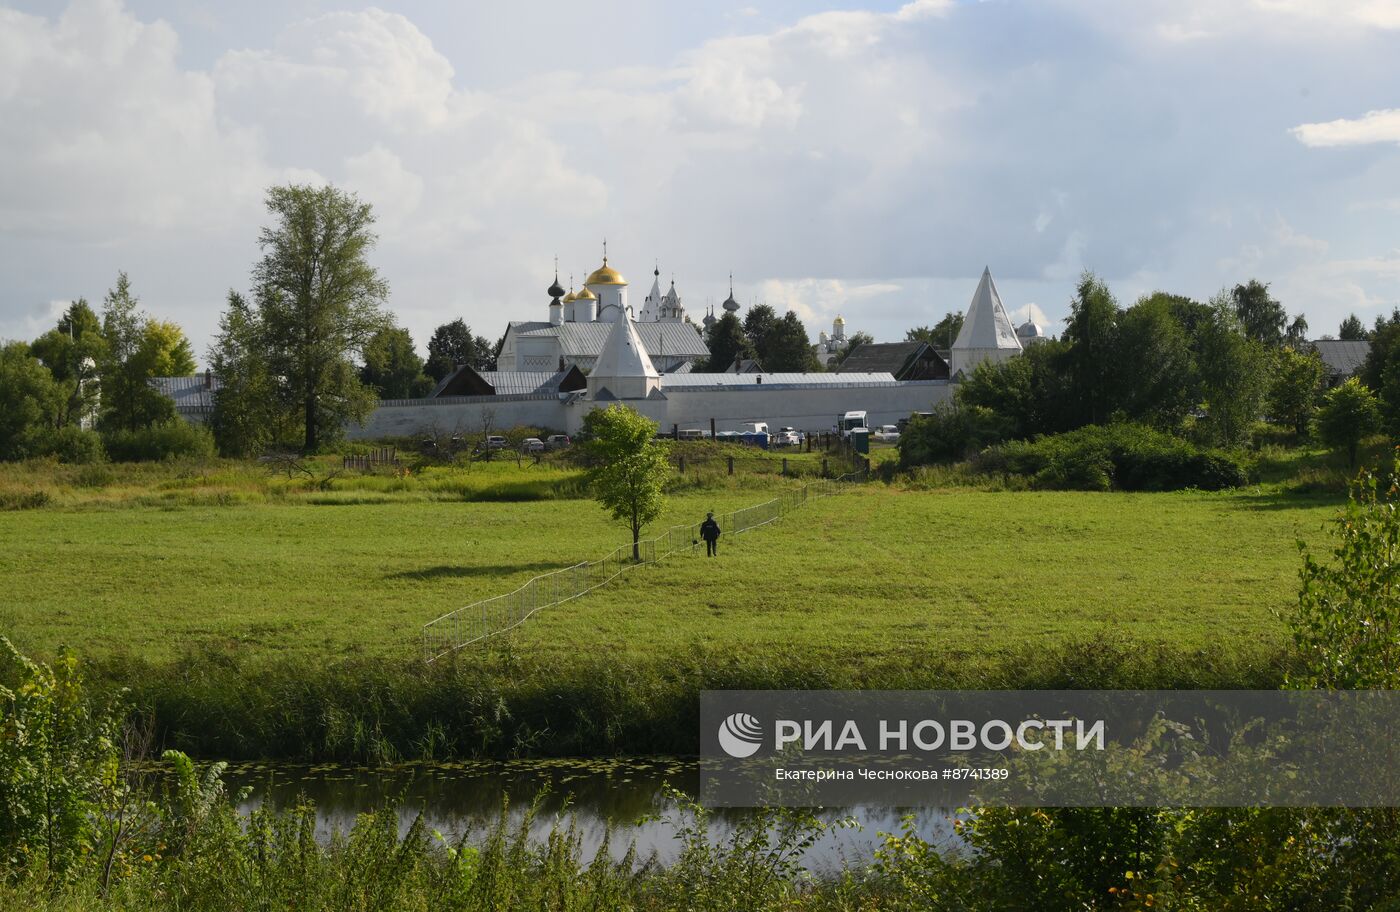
492 616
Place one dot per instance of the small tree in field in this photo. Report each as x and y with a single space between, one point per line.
631 467
1347 626
1348 415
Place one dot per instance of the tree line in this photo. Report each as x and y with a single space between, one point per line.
84 384
1208 370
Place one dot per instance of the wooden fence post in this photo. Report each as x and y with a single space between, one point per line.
785 467
731 465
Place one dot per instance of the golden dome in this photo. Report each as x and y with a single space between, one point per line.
605 275
840 320
570 298
585 295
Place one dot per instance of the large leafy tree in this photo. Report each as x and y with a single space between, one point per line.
391 364
759 325
1262 318
1294 387
1349 414
30 402
1031 391
165 350
1352 330
789 348
252 408
631 467
1154 371
1385 343
1093 335
73 351
940 335
320 302
453 344
727 342
1234 373
135 353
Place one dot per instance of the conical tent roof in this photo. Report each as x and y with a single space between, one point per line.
623 354
986 326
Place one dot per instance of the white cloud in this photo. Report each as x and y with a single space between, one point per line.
1031 312
889 152
1374 127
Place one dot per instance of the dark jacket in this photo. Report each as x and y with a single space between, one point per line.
709 530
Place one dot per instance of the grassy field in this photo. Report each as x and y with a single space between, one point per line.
270 618
878 575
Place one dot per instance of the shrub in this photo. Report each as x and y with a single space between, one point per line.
24 500
74 446
1125 457
168 440
948 434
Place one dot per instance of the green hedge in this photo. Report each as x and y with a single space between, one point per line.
1122 457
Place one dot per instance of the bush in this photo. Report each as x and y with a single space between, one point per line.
948 434
1124 457
74 446
24 500
168 440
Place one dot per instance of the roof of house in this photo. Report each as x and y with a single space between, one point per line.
987 325
884 357
189 393
680 381
1342 356
585 340
467 381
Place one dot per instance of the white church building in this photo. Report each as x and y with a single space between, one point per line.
579 323
644 363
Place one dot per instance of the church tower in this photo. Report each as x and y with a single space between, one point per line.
623 367
611 290
987 333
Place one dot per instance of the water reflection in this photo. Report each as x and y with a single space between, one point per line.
628 797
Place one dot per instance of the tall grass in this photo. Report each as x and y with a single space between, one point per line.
506 703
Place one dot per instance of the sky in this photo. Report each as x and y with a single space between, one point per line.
867 160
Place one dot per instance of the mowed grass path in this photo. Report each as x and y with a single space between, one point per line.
876 577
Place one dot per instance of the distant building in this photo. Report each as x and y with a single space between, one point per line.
829 347
1029 333
193 396
904 360
987 333
1341 357
579 322
467 381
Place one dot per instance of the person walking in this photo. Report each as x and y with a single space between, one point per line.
709 531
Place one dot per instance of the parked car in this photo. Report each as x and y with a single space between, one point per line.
557 441
691 434
787 437
496 442
532 445
889 433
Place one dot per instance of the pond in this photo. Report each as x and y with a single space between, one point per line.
629 798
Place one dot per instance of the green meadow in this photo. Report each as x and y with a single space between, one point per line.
260 616
877 575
